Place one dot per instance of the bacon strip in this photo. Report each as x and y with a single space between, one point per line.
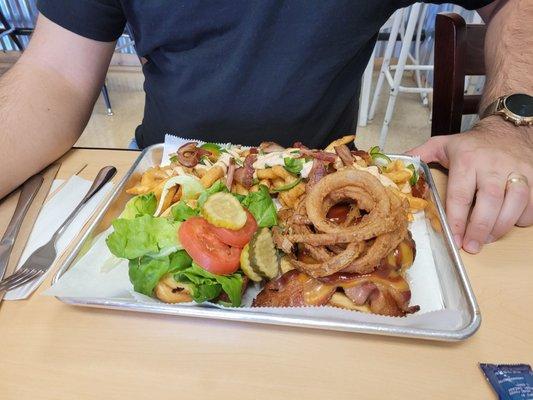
345 155
245 174
270 147
231 172
318 154
318 171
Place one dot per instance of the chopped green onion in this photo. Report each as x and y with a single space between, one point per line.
213 148
414 178
376 154
174 159
288 186
293 165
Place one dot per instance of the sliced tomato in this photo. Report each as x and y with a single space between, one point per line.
238 237
338 213
204 247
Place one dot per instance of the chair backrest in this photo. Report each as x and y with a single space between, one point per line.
459 51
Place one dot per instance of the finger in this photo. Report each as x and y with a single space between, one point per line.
489 200
432 150
526 219
514 204
459 197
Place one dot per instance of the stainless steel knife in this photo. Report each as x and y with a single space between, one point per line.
27 194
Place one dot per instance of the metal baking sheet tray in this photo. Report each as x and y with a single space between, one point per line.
456 289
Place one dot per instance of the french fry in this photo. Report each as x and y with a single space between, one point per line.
168 171
416 203
150 179
266 173
293 195
158 190
160 174
396 165
282 173
239 189
177 195
200 172
138 189
400 176
277 182
167 201
166 212
433 215
339 142
212 176
284 199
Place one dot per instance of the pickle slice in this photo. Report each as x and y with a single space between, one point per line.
246 267
263 256
223 210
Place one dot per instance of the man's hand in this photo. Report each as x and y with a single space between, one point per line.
480 163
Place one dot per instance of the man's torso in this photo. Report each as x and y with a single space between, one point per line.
253 70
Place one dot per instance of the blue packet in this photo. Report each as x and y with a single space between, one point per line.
510 381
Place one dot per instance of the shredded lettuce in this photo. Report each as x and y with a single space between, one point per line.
137 206
144 235
262 207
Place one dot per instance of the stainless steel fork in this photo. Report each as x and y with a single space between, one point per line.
41 260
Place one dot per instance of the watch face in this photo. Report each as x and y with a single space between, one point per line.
520 104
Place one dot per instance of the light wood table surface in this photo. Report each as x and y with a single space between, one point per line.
49 350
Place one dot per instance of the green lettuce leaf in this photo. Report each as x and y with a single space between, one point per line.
179 260
145 204
145 272
216 187
182 212
293 165
144 235
208 286
262 207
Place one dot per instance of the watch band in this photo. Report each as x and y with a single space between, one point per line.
491 108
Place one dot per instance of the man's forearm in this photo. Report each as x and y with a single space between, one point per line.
42 117
509 50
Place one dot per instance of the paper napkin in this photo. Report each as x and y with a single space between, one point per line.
52 214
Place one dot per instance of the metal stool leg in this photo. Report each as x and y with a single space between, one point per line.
398 17
406 44
105 93
365 91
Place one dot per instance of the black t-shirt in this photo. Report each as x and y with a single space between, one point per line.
243 71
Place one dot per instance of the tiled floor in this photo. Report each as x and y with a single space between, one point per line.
410 125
